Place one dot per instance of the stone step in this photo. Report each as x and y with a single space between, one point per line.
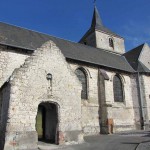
46 146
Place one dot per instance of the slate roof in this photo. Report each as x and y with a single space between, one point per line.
97 24
31 40
132 57
96 20
142 68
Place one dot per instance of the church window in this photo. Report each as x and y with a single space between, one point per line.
118 89
82 76
111 42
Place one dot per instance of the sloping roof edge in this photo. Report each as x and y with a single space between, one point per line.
31 40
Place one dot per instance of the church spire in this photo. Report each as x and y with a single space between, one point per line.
96 21
101 37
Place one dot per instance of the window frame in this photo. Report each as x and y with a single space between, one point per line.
86 78
111 42
122 89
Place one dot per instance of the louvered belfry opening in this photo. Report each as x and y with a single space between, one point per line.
111 42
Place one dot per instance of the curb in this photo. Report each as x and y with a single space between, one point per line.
143 146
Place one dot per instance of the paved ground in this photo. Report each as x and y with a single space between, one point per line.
123 141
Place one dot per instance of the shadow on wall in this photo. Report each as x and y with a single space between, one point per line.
103 118
5 99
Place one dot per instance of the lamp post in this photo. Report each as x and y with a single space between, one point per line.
49 77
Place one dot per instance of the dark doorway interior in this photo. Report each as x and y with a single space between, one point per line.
46 123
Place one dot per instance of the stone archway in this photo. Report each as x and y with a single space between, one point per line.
47 122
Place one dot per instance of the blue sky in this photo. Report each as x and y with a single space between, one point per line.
70 19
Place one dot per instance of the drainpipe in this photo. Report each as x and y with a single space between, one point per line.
140 101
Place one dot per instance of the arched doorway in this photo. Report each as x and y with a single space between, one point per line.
47 123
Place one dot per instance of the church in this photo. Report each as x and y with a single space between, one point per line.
57 91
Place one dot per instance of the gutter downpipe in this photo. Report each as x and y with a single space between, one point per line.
140 102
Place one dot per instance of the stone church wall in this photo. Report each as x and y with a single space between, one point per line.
122 113
102 40
4 104
90 107
135 98
145 90
144 56
9 60
29 87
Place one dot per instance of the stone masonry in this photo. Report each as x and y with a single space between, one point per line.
121 113
103 42
145 84
29 87
41 82
9 60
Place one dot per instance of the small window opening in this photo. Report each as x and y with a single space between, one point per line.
85 43
111 43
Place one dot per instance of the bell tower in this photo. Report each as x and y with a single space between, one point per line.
101 37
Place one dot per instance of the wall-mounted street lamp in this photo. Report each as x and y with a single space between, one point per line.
49 77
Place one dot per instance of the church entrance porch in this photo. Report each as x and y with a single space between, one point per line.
47 123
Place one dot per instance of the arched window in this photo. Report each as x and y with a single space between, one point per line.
111 42
81 74
118 89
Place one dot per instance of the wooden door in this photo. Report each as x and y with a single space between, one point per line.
39 123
